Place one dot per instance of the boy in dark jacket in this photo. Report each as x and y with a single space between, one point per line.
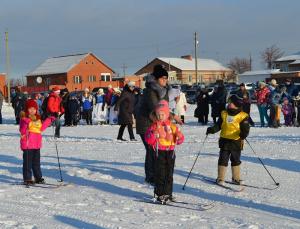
234 127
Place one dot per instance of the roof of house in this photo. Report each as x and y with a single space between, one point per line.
289 58
59 64
260 72
295 62
186 64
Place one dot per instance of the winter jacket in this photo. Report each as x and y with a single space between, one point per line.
229 144
218 101
87 102
202 104
275 97
181 105
246 99
30 129
163 135
108 96
152 94
1 99
262 96
54 105
287 109
125 107
100 98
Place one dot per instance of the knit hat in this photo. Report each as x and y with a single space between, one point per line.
242 85
261 83
236 100
159 71
30 103
56 89
163 106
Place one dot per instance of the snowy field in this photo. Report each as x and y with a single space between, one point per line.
107 181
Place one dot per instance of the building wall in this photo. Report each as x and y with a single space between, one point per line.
3 83
47 82
186 77
89 66
281 77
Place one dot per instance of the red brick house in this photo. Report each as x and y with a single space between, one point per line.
72 71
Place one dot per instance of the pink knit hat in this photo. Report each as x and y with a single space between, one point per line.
163 106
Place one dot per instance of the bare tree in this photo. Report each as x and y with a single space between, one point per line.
240 65
270 54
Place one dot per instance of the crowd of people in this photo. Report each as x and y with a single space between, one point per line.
271 99
155 111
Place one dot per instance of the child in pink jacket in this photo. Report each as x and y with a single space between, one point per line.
163 135
31 127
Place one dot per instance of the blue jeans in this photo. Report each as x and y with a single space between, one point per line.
263 114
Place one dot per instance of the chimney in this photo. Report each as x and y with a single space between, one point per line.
188 57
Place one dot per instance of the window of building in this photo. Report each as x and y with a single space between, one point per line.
92 78
190 78
77 79
105 77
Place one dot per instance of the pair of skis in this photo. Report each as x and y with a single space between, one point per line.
180 204
42 185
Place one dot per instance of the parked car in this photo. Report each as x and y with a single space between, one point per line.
191 96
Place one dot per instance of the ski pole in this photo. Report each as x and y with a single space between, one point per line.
61 179
276 183
194 163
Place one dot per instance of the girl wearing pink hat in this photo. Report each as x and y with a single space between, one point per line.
162 136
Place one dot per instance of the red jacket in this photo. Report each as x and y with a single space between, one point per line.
54 104
262 96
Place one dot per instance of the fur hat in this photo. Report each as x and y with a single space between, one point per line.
159 71
163 106
131 84
101 91
31 103
236 100
273 82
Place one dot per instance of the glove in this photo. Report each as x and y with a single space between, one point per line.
209 131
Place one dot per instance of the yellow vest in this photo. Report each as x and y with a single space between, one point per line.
230 128
35 126
165 142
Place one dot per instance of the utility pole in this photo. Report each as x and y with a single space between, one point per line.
196 59
7 66
124 67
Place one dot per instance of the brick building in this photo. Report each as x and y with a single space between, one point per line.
183 69
3 83
73 71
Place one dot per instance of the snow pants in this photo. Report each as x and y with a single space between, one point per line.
149 161
32 163
233 155
164 169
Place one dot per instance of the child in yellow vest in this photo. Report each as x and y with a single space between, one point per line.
234 127
163 135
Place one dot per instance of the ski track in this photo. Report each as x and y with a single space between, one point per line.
106 178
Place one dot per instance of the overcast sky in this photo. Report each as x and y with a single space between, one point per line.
132 32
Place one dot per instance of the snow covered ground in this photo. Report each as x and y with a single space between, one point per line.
107 181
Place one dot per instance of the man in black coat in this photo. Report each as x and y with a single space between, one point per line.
125 107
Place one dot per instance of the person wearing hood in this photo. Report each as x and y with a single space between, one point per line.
234 126
125 108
